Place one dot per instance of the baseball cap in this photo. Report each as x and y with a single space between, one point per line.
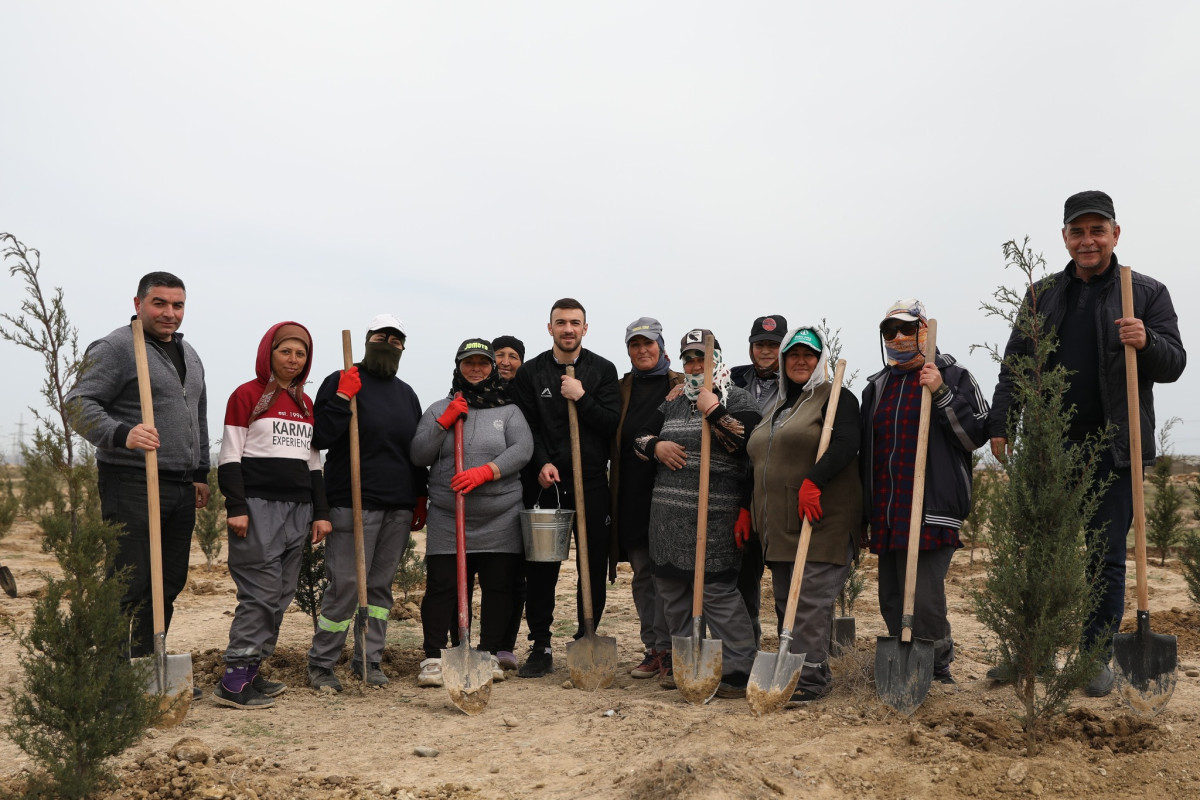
694 340
908 310
770 328
1089 202
644 326
383 322
475 347
805 336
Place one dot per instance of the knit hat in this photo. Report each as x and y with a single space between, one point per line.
475 347
500 342
806 337
644 326
768 329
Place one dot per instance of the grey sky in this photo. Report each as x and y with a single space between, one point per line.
464 164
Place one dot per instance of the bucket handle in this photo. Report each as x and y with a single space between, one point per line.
557 499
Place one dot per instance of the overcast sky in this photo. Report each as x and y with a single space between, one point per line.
462 165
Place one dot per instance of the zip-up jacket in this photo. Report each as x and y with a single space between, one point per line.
271 457
958 427
538 392
104 406
1161 361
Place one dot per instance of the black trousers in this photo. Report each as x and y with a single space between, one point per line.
497 573
123 501
541 577
749 582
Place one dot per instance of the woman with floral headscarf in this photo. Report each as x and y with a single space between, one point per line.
791 484
672 439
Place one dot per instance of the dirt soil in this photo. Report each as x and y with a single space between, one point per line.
541 738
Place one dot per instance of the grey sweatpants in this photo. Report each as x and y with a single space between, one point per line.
724 615
649 605
385 535
930 620
814 615
264 565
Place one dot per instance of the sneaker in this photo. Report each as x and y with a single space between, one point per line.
1002 673
804 696
431 672
666 673
375 676
268 688
321 677
196 694
733 685
539 662
507 660
649 668
942 675
1102 683
497 670
248 699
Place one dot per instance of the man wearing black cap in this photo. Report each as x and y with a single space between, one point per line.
1082 305
761 379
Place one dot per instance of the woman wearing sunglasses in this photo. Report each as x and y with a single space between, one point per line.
891 409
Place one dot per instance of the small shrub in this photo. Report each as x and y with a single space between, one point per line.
311 582
1164 517
410 573
1189 557
210 522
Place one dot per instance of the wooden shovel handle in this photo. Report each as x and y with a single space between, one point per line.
1135 446
460 532
146 396
918 495
702 509
585 577
360 556
793 598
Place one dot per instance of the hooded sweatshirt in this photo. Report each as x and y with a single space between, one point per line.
271 457
783 452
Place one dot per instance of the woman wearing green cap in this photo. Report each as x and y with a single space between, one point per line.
792 484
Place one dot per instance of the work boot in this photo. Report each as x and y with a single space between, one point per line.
322 677
666 672
431 672
539 662
1101 683
375 676
942 675
508 661
733 685
649 667
264 686
236 691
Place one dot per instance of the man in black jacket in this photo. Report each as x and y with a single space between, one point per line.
1082 304
541 389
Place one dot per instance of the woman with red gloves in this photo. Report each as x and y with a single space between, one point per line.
393 497
671 437
497 443
790 483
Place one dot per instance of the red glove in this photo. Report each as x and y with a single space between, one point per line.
350 382
456 409
741 528
420 512
810 501
472 478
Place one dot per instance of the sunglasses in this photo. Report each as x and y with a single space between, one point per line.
907 328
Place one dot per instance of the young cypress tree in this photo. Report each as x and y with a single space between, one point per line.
81 701
210 522
1040 584
1164 517
312 580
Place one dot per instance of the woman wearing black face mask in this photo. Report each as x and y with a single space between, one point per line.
393 496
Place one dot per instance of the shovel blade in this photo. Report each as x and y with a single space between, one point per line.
592 662
903 672
1146 664
175 691
7 582
467 676
696 666
773 680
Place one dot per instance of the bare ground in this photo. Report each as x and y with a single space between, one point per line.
540 738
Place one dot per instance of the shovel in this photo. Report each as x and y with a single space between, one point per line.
172 675
1145 661
591 659
904 665
697 661
360 556
466 673
774 676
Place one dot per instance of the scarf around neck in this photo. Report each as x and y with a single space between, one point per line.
488 393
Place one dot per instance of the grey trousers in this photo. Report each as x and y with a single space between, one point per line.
814 615
649 605
930 619
724 615
264 565
385 535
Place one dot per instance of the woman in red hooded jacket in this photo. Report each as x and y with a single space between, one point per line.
274 498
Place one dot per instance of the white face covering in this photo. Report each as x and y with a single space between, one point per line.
692 384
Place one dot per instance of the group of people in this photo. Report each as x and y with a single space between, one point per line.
640 442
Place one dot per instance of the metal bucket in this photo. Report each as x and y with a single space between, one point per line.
547 532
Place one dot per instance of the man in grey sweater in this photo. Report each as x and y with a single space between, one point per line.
105 409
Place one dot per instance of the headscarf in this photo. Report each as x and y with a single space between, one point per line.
661 367
488 393
278 335
789 392
692 384
906 353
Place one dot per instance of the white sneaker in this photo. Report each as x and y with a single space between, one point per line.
497 670
431 672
